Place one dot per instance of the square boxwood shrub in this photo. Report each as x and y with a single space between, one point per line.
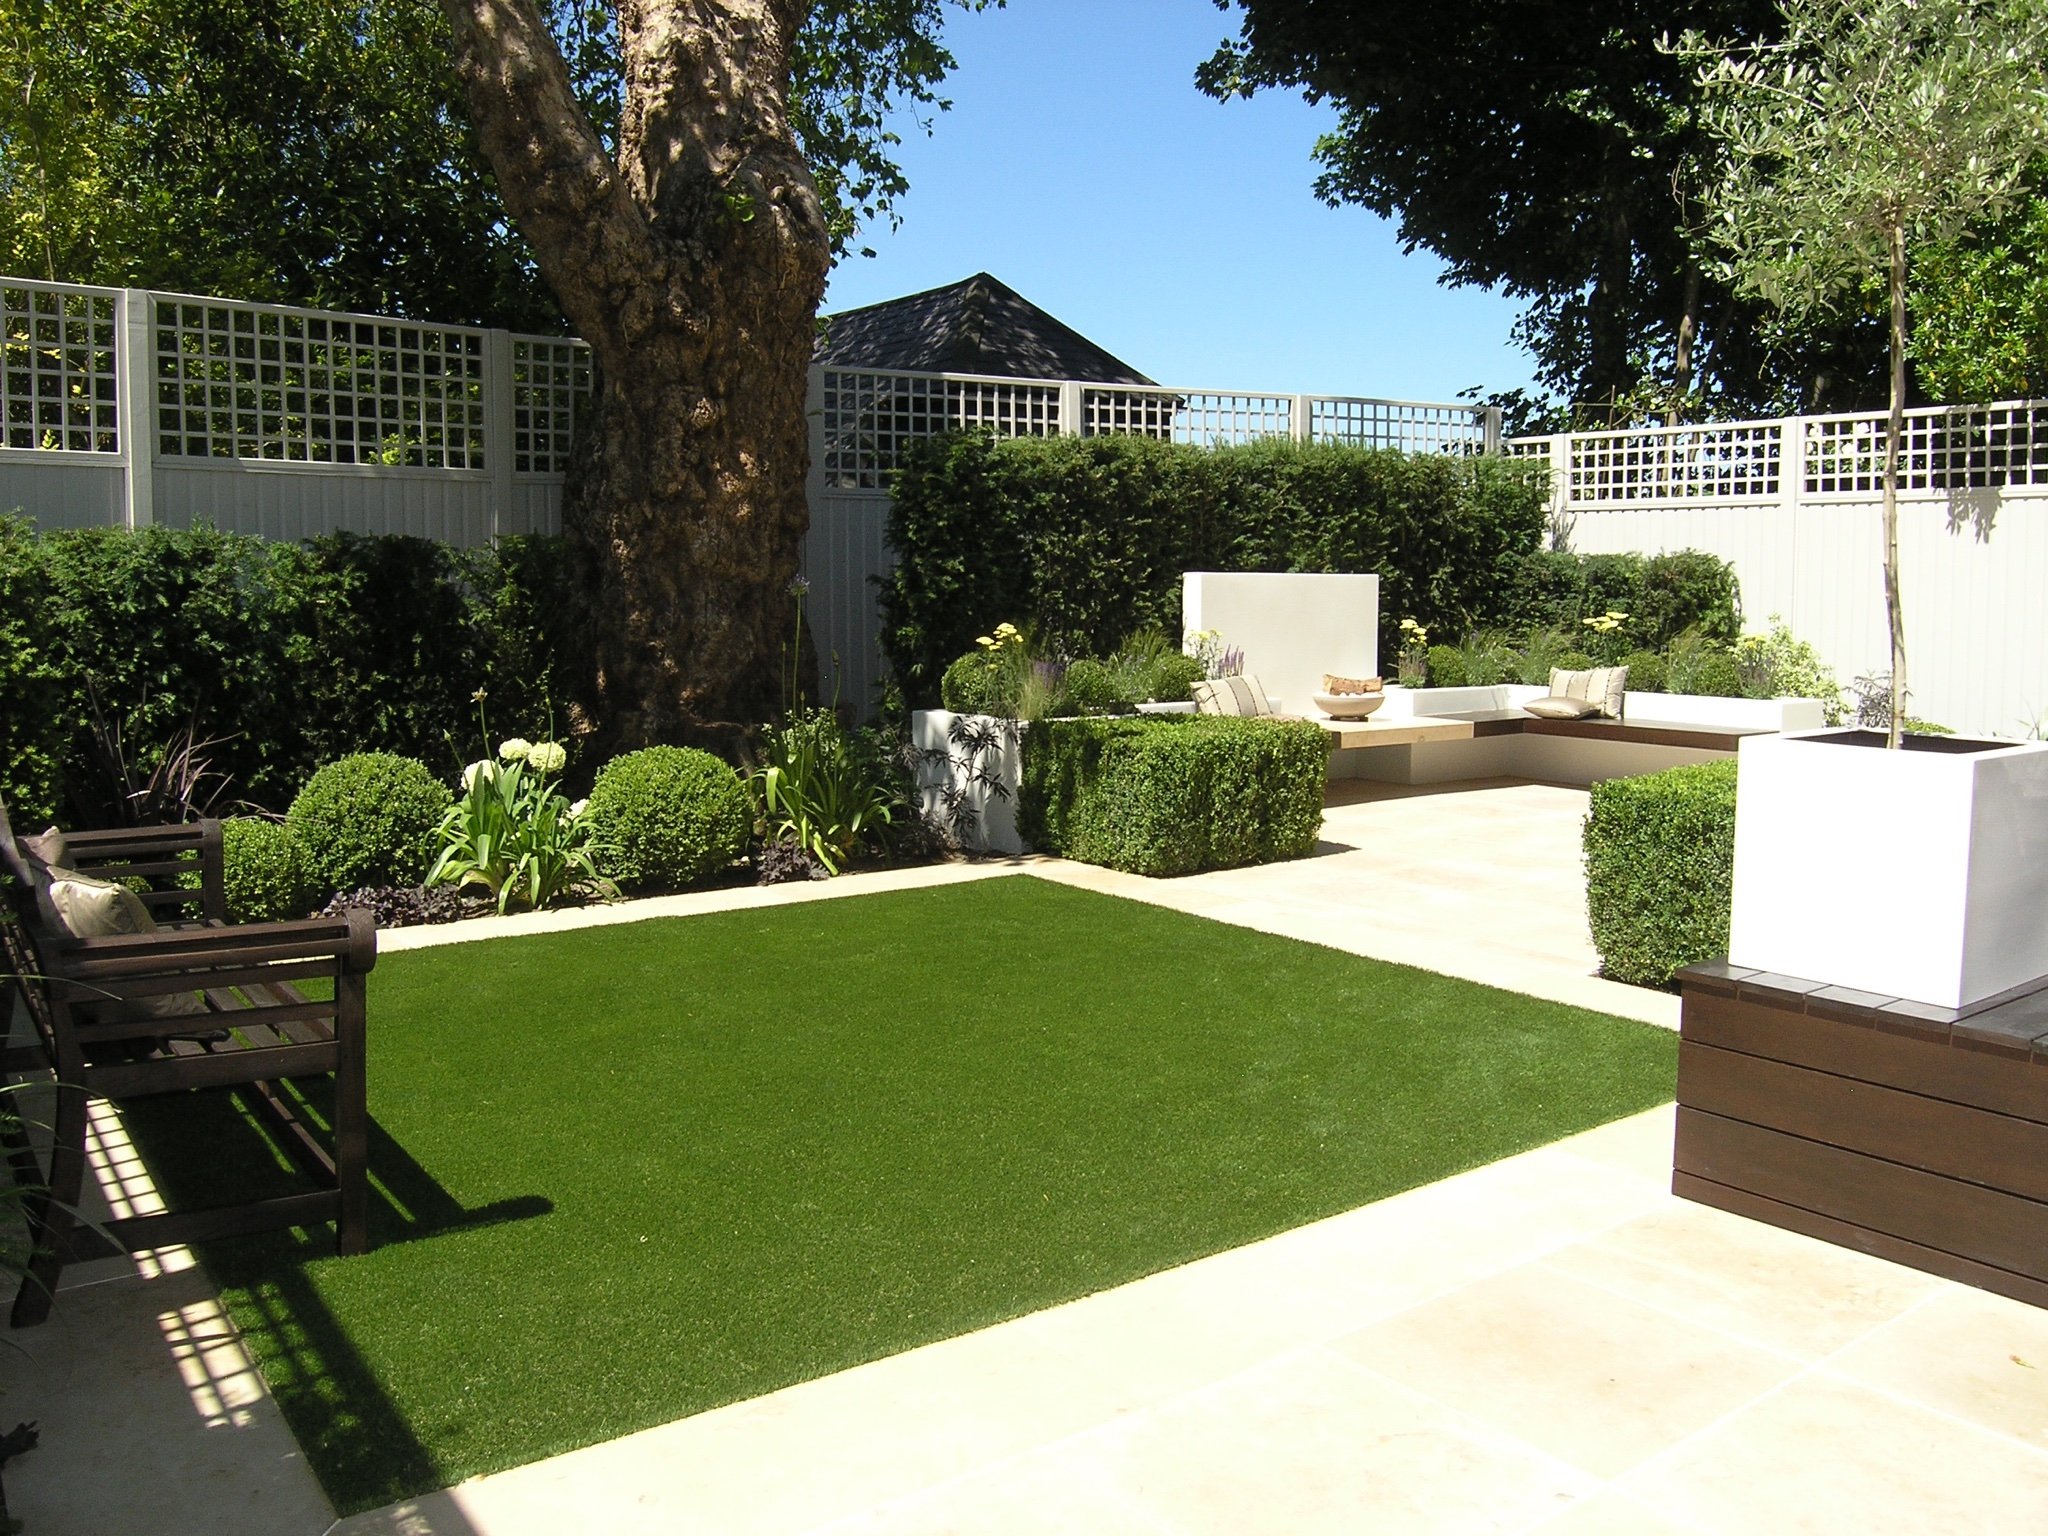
1660 862
1171 795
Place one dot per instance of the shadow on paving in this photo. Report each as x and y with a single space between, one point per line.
204 1148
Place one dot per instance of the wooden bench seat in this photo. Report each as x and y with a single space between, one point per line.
96 1033
1649 733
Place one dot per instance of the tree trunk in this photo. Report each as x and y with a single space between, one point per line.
1688 326
693 266
1894 606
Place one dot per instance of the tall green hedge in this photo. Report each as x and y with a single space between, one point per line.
1173 794
1663 595
1660 862
291 655
1088 537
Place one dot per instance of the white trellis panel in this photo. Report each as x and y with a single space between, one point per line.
867 417
1408 425
271 383
550 381
1652 466
1944 449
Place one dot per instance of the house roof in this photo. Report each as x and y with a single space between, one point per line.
978 325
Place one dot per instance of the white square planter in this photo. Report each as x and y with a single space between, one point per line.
1919 874
995 815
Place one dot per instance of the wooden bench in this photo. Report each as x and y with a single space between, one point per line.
94 1030
1666 739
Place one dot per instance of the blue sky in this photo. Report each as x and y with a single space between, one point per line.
1081 166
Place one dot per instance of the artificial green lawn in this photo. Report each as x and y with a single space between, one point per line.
632 1173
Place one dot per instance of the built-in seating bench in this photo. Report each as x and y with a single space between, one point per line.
1413 748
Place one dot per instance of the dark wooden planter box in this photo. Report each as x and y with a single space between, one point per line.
1895 1128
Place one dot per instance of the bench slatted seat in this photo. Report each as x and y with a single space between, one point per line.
99 1027
1480 724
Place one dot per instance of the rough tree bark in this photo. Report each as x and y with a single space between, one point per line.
693 265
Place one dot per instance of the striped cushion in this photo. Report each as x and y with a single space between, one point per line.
1602 687
1231 696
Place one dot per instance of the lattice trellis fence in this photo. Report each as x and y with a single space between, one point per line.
1944 450
867 418
58 368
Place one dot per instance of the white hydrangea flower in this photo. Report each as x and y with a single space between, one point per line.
515 750
547 756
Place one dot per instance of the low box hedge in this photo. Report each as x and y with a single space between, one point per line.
1173 794
1660 861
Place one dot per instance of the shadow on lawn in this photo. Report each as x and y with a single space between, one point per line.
203 1148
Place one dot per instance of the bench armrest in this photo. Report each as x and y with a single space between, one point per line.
350 941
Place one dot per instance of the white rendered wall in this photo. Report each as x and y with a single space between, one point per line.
1293 628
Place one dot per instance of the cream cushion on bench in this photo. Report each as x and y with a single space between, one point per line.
1240 696
97 909
91 908
1556 708
1601 687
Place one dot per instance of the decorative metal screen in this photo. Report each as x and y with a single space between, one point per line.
1397 424
1945 448
1665 464
248 381
550 382
871 416
57 367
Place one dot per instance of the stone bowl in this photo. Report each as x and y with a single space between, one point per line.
1348 706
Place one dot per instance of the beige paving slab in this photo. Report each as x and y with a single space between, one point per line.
1307 1444
1608 1513
152 1419
1830 1457
1030 1497
1981 1357
1753 1282
1589 1377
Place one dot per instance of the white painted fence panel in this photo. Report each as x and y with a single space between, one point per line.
846 548
72 490
282 503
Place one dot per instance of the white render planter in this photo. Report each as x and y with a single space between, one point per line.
996 814
1919 874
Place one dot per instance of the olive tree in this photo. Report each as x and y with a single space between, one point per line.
1865 128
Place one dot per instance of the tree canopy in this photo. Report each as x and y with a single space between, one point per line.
1552 149
1980 307
320 151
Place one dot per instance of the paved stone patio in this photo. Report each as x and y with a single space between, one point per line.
1552 1343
